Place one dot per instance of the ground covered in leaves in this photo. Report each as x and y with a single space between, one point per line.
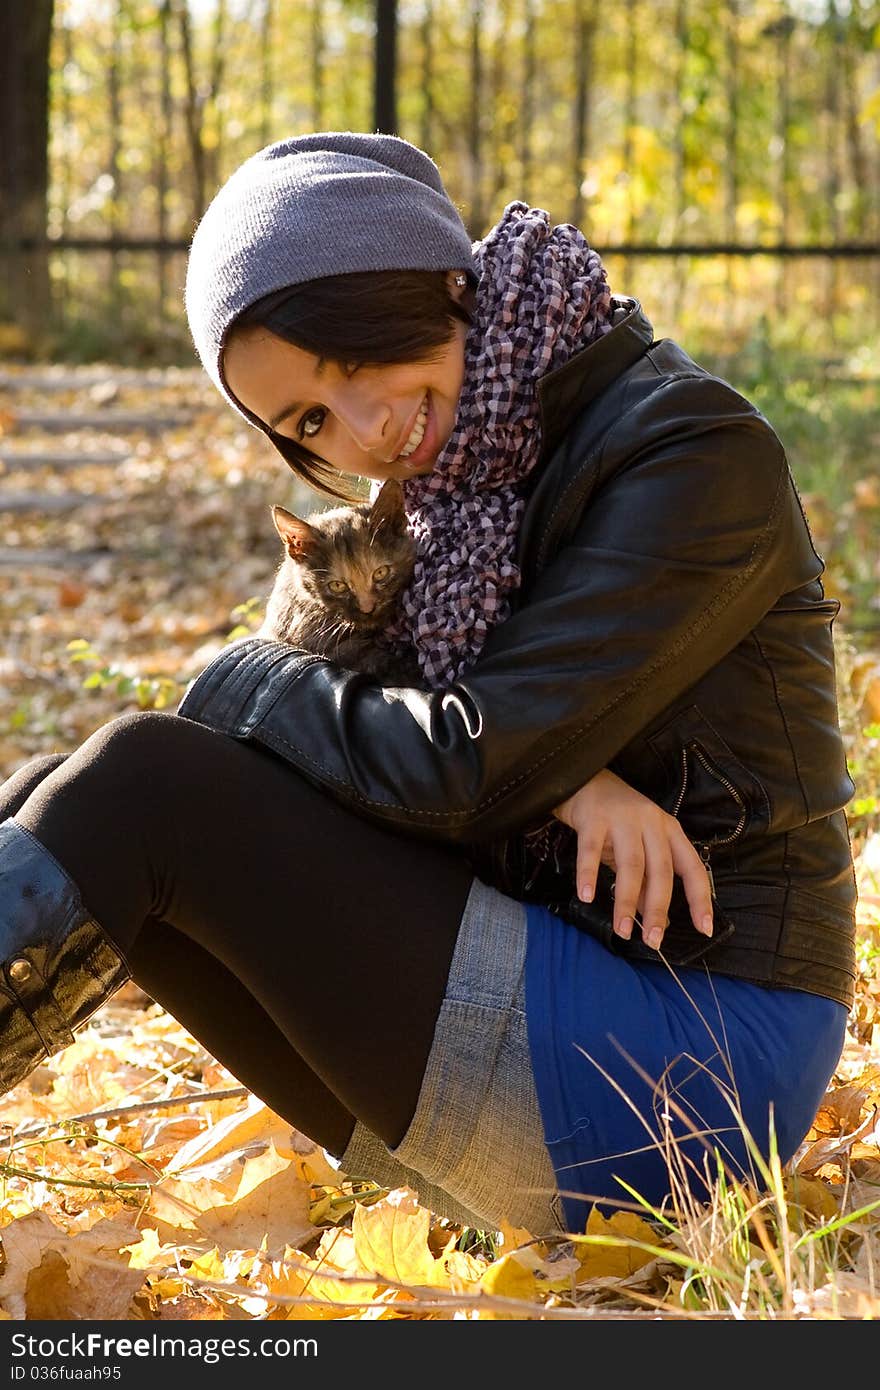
139 1180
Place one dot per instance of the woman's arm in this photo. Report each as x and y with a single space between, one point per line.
691 534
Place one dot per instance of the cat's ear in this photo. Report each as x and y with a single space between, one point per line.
297 535
388 509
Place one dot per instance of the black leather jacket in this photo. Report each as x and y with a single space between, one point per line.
671 625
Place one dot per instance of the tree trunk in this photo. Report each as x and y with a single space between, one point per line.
385 90
267 76
630 115
319 44
503 110
679 278
25 31
731 182
833 182
193 105
476 216
162 149
427 120
214 163
584 46
114 101
527 102
783 36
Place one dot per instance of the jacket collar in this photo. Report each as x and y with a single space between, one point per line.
565 392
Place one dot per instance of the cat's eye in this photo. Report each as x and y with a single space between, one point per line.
303 430
381 574
337 586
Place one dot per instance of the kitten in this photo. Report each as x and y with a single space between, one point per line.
339 583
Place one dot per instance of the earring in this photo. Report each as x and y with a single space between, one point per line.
461 280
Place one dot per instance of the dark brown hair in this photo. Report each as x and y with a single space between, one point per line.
370 317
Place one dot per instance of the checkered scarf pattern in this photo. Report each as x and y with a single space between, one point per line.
542 296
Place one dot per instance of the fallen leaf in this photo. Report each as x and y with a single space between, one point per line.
464 1271
813 1195
607 1249
833 1149
254 1122
70 593
391 1240
191 1308
239 1199
50 1273
336 1275
513 1236
509 1277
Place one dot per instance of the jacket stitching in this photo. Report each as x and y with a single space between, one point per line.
779 706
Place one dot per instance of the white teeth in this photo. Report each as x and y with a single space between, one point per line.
418 431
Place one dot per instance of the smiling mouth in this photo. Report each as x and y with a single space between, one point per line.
417 433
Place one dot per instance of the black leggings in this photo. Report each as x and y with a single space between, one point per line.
305 948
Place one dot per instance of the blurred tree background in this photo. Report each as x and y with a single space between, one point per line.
723 155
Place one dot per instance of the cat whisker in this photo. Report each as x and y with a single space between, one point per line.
335 631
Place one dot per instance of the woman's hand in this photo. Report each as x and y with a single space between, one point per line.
645 847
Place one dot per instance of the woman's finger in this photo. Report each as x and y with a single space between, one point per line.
659 876
629 856
695 881
590 843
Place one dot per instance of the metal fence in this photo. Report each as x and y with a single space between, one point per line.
722 155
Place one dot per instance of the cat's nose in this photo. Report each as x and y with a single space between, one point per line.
366 605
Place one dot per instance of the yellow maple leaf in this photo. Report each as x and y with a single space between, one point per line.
610 1247
332 1276
509 1277
282 1277
239 1199
51 1274
391 1240
813 1195
169 1288
253 1124
464 1271
320 1210
513 1236
148 1252
208 1266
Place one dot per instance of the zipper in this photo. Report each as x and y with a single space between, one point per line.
705 847
704 855
719 776
684 781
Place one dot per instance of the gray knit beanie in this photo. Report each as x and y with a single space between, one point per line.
330 203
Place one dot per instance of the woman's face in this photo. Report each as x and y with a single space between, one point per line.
378 422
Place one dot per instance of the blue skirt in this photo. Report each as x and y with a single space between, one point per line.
650 1077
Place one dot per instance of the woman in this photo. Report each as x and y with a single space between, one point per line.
576 920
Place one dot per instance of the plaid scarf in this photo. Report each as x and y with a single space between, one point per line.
542 296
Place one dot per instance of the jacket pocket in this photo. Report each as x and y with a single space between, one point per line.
715 796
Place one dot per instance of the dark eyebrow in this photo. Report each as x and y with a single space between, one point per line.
295 405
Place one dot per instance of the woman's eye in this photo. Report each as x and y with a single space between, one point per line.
337 586
304 432
381 574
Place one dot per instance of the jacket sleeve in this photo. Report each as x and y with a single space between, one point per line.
692 532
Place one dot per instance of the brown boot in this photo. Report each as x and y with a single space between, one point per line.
57 966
